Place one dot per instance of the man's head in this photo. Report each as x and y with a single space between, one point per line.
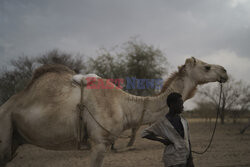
175 102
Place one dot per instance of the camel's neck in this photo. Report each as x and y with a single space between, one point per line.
155 106
185 86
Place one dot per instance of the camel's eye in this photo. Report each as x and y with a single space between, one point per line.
207 68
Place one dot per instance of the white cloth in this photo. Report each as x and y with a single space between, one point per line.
79 77
178 152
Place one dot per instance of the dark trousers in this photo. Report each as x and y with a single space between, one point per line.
181 165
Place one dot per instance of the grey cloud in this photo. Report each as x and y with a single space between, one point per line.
195 27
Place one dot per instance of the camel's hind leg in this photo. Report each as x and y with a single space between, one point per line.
6 131
97 155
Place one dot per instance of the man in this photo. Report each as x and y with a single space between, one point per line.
173 132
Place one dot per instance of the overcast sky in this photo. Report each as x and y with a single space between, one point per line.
216 31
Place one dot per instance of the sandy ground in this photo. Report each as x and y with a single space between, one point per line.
229 149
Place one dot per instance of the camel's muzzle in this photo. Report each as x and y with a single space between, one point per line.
223 79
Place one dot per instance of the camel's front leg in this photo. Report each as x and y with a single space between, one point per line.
97 155
132 138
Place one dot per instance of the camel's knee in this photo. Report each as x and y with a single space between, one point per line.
98 151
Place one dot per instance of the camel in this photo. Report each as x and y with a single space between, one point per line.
45 113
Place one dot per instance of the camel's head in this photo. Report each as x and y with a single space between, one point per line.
202 72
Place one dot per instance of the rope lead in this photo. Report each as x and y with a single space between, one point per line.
217 116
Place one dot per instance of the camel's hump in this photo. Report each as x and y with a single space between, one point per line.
56 68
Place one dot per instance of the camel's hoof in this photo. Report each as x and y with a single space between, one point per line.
85 147
132 148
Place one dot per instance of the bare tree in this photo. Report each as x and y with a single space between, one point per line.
206 109
243 102
13 81
232 100
246 107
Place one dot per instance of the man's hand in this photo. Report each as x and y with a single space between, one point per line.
166 142
152 136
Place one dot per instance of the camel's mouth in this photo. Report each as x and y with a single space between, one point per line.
223 79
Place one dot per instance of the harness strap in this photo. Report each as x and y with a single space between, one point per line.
80 122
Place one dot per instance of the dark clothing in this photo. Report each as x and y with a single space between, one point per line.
181 165
176 122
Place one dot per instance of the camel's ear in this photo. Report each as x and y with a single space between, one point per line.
181 68
191 61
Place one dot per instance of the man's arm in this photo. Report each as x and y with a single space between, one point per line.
151 136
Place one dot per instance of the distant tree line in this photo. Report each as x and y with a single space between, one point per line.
135 59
